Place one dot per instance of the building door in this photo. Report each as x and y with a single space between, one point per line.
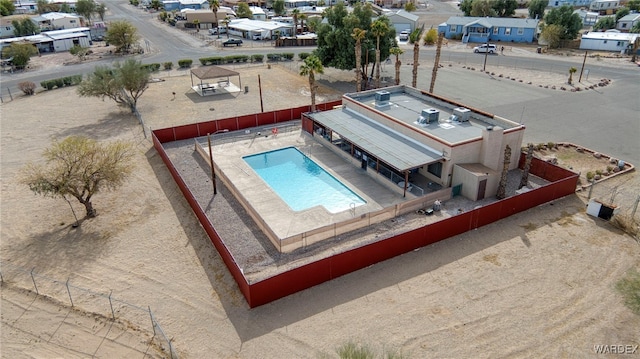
456 190
482 186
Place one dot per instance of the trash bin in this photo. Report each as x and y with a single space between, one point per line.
246 89
539 50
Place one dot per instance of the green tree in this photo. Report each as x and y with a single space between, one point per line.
122 34
505 8
20 52
410 7
313 23
66 9
80 51
214 5
43 7
466 6
564 17
124 83
156 5
278 7
483 8
572 71
226 22
431 37
86 8
622 12
605 23
552 35
7 7
358 35
24 27
633 5
302 18
335 44
80 167
101 9
536 8
396 51
243 11
196 23
312 66
636 28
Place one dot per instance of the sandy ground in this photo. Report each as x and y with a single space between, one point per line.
538 284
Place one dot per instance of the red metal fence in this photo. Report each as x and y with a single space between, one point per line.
563 183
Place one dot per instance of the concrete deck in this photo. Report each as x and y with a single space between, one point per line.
230 148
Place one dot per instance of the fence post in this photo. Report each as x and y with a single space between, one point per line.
10 95
34 282
111 305
171 348
153 326
69 292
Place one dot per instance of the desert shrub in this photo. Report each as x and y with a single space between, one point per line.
59 83
27 87
47 84
67 81
273 57
599 172
288 55
151 67
431 37
551 145
303 55
185 63
590 176
257 58
351 350
629 287
168 65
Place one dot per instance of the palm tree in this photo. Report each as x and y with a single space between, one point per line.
226 22
295 14
414 37
571 72
397 51
311 66
214 5
378 28
196 23
358 34
302 18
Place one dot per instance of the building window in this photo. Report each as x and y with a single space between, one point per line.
507 31
605 41
624 24
620 43
435 169
453 28
521 31
495 31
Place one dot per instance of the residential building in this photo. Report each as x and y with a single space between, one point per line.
486 29
54 41
589 18
627 22
61 20
170 5
248 28
608 41
572 3
605 7
402 20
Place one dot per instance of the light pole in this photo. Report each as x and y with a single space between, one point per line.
213 170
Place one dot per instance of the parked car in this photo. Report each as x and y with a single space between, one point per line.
230 42
257 37
404 35
215 30
490 48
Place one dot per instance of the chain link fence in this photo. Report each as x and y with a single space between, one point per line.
134 317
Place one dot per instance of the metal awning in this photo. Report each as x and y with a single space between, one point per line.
395 149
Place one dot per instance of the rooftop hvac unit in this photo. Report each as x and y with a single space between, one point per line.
430 115
462 113
382 98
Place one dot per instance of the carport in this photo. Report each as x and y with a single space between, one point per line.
208 84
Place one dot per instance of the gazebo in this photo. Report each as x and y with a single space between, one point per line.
208 84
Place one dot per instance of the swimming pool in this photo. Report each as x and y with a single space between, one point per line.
300 182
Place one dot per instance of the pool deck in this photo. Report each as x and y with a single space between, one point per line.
275 213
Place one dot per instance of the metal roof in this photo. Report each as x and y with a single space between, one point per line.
388 145
494 21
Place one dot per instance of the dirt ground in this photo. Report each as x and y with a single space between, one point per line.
538 284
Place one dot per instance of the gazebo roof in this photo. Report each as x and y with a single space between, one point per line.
212 72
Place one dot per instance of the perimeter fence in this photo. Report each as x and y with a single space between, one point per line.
104 304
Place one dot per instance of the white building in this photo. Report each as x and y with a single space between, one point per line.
61 20
627 22
247 28
608 41
607 7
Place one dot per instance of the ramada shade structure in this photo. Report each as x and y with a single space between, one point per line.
213 72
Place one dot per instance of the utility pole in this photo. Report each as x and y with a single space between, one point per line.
434 72
582 69
486 54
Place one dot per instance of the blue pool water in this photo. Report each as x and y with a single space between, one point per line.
300 182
